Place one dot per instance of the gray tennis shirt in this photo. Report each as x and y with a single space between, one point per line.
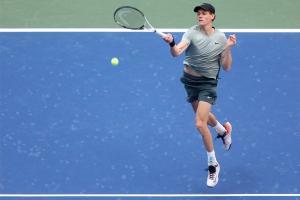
204 52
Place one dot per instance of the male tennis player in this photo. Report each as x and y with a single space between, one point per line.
206 50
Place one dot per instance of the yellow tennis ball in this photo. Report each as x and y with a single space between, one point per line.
114 61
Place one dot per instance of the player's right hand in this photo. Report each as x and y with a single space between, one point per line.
168 38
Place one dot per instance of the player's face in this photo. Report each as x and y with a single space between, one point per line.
205 17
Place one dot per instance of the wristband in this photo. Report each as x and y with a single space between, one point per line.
172 44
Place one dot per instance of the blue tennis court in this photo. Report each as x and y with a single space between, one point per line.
70 122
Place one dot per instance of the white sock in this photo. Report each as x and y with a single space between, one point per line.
211 158
219 128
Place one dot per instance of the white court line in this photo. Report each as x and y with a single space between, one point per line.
126 30
142 195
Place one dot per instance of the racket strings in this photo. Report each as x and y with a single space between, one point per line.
130 18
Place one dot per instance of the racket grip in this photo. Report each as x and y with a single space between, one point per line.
160 33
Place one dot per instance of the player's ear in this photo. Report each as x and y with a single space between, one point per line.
214 17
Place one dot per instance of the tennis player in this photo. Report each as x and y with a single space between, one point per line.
206 50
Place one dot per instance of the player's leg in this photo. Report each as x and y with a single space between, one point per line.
212 120
224 131
202 115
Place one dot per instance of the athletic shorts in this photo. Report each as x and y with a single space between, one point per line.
200 88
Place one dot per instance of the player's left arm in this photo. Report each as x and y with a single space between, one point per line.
226 58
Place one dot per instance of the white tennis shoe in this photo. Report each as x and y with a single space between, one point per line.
226 137
213 175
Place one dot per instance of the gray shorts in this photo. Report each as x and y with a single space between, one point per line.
200 88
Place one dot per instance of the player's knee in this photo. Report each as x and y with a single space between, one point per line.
200 124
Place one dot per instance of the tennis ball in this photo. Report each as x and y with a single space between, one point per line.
114 61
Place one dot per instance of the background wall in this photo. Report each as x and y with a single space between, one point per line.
163 14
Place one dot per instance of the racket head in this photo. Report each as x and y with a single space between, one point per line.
130 18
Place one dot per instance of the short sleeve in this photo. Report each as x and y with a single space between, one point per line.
224 38
187 37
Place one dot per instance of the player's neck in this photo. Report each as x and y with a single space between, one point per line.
208 30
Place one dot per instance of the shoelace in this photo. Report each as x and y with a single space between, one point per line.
212 176
212 172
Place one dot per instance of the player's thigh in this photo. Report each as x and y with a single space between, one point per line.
203 111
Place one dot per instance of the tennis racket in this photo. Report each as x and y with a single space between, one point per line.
132 18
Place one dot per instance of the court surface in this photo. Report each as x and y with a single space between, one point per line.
73 124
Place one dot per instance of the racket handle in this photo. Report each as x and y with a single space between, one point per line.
160 33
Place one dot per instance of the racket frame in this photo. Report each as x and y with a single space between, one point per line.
145 26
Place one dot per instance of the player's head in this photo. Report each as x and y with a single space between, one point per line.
206 8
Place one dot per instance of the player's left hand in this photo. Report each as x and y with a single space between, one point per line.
231 41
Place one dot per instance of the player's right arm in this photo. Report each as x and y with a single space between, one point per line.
176 49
